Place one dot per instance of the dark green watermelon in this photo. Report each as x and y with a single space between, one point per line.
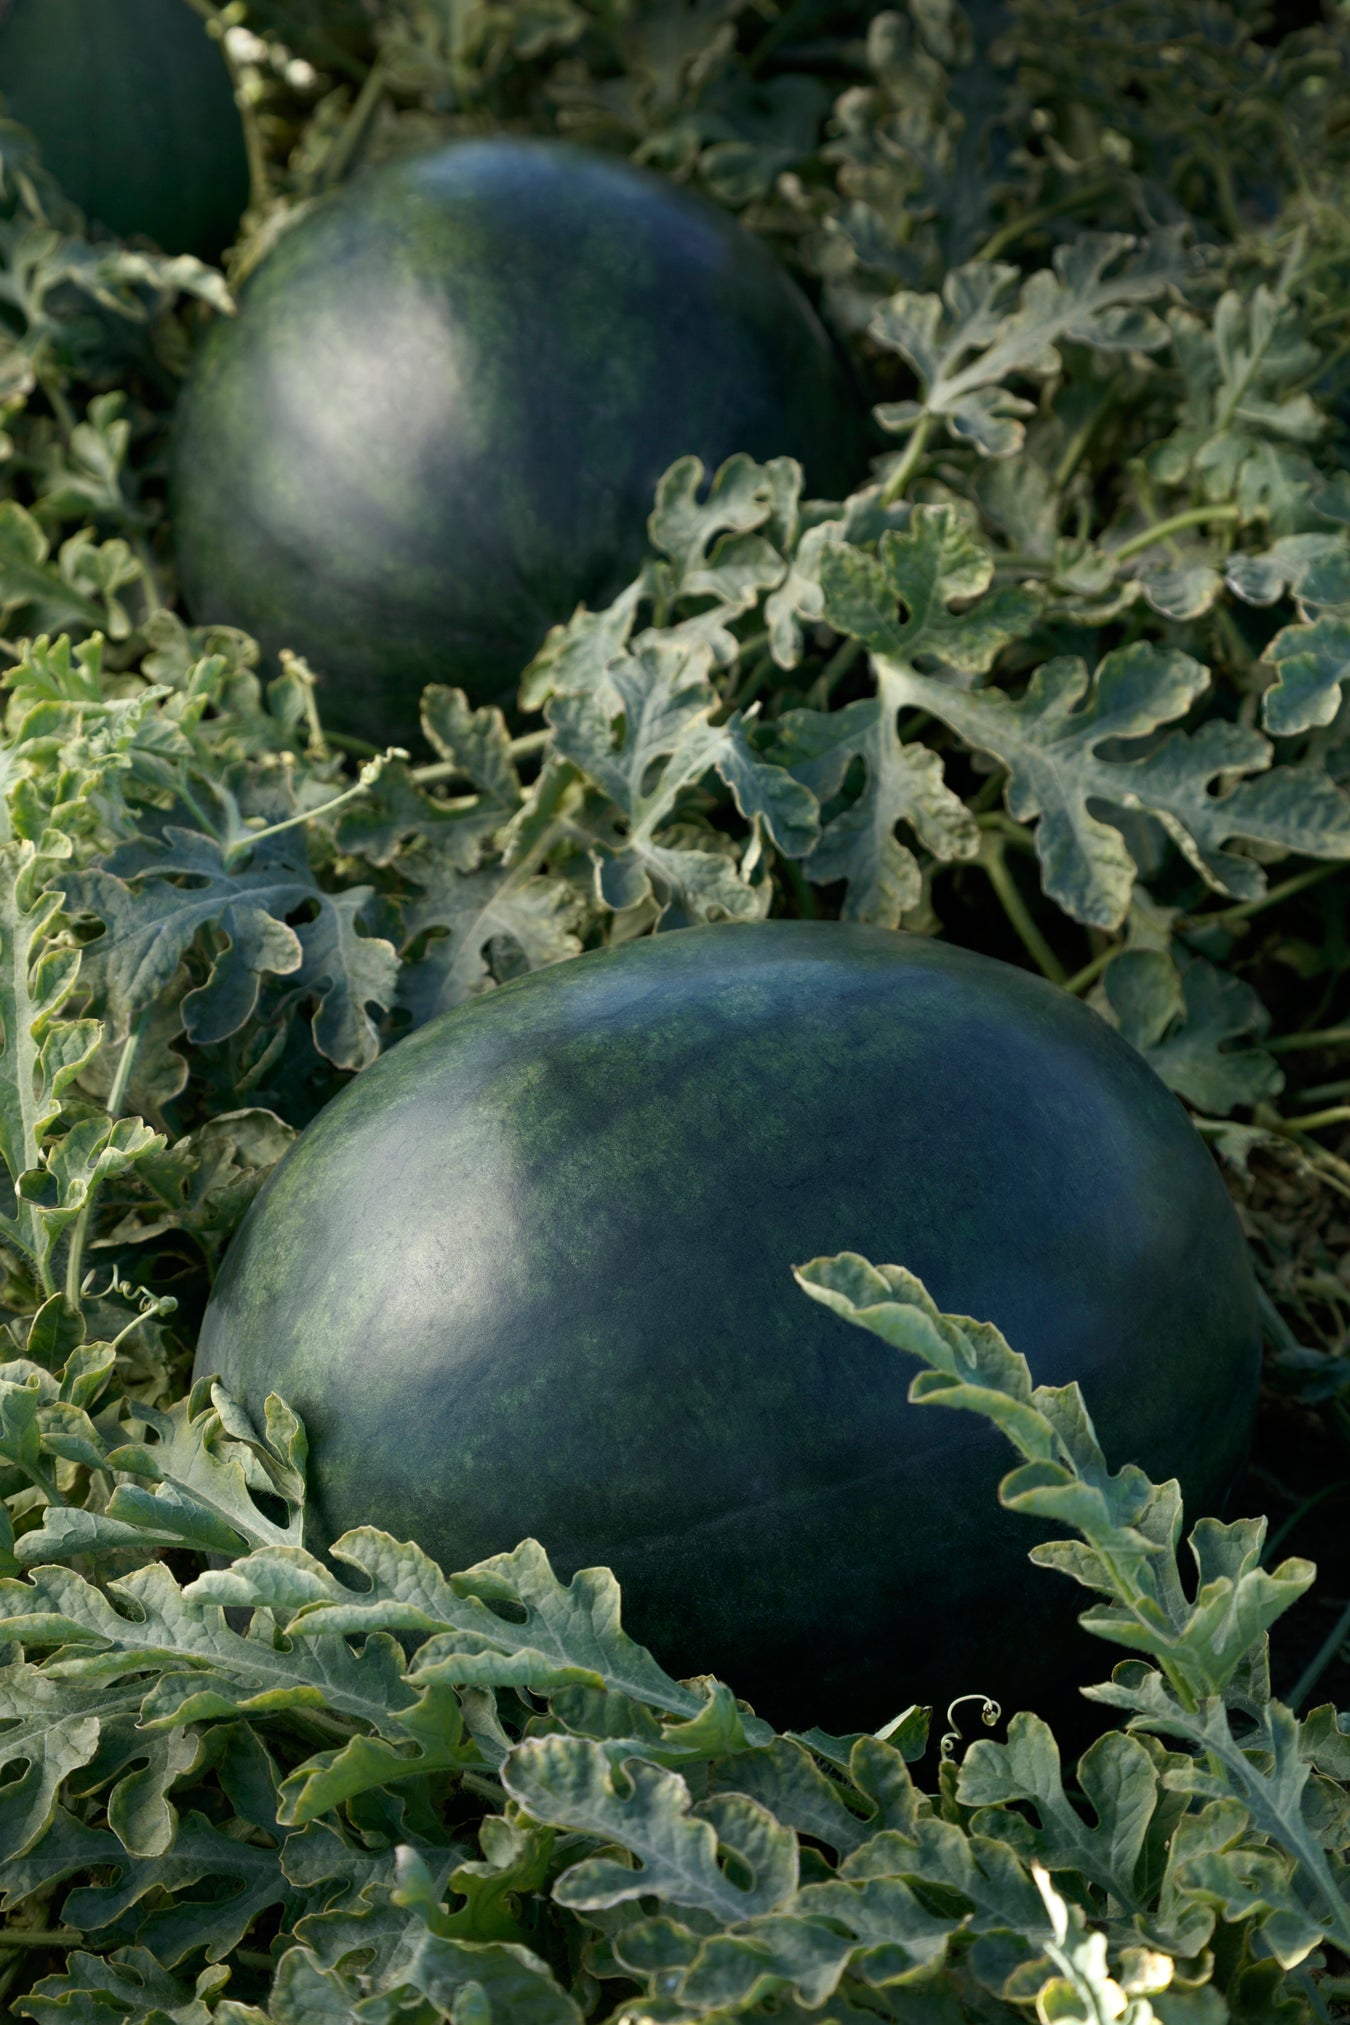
530 1274
132 106
438 420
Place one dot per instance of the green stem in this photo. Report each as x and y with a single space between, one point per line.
1013 905
450 769
359 748
895 485
1223 183
1276 1326
116 1098
796 880
317 742
998 823
1320 1661
44 1483
61 407
748 681
835 669
154 593
1243 910
255 152
41 1937
1073 450
778 31
186 795
1333 1170
338 158
1317 1121
370 773
1324 1093
1163 530
1007 235
1324 1037
1083 979
1296 1518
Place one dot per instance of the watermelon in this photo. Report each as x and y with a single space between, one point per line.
531 1275
438 421
132 106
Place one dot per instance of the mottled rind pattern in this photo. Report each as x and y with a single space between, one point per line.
531 1274
438 421
133 108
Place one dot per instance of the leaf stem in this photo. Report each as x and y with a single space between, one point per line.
44 1483
209 829
450 769
1316 1121
353 131
370 773
832 673
116 1098
1014 906
254 150
155 598
1243 910
1088 975
345 741
1323 1037
1163 530
41 1937
1007 235
1320 1661
795 879
895 485
1277 1328
1286 1526
792 17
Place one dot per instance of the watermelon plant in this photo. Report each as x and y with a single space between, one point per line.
133 108
1054 684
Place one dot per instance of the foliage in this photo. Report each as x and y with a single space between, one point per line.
1064 679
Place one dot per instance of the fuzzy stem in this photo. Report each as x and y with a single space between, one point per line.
370 773
1243 910
255 152
832 673
41 1937
1323 1037
337 160
450 769
1320 1661
1163 530
1083 979
1007 235
1286 1526
116 1098
1316 1121
895 485
1017 911
186 795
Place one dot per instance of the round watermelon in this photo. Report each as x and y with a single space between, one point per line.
531 1275
132 106
437 423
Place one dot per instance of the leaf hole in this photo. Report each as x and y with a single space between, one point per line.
736 1870
273 1508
